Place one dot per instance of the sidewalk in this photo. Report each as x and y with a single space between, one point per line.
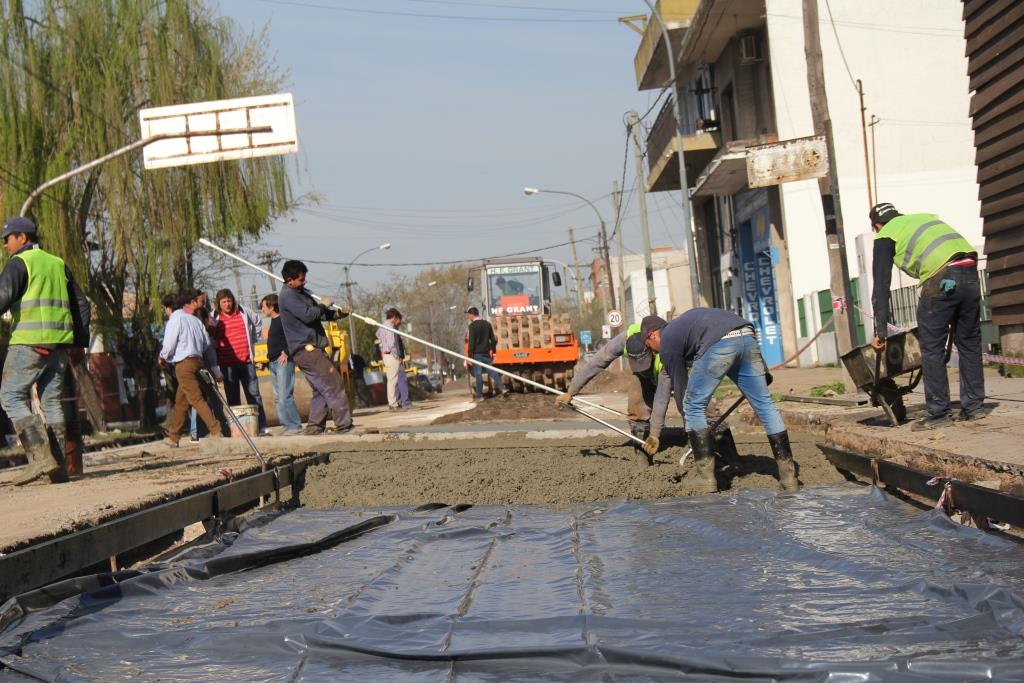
994 443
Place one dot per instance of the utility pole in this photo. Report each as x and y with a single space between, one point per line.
864 134
617 204
351 319
576 269
269 259
828 186
641 196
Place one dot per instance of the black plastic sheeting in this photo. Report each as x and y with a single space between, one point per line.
829 584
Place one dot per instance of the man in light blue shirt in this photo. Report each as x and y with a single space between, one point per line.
185 343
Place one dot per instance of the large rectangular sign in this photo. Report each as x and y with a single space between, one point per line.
783 162
219 118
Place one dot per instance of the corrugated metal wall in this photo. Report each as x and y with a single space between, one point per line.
995 50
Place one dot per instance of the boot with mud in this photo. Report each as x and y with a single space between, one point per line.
641 430
34 439
784 459
58 437
703 461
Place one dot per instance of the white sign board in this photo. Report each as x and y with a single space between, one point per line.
783 162
276 111
606 331
614 318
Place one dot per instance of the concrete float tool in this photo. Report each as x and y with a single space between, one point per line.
370 321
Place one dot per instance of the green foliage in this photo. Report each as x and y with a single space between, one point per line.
72 79
837 387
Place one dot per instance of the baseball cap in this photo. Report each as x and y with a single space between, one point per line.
651 323
883 213
637 353
473 310
17 224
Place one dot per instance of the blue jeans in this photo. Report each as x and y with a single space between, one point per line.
739 359
244 375
478 372
283 376
25 367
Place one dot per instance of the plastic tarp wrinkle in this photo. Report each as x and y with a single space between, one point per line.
829 584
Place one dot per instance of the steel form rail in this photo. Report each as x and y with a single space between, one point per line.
43 563
978 501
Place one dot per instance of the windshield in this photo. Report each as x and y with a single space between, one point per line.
514 290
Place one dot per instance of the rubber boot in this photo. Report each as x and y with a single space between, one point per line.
36 442
58 438
703 460
641 430
784 458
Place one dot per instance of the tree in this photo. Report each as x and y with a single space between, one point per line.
74 76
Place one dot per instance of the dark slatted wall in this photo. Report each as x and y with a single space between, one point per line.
995 50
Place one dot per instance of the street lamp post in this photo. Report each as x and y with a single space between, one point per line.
348 292
684 186
604 236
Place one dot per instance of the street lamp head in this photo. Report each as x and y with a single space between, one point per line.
431 283
530 190
385 246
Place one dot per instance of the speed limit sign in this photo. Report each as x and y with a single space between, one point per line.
614 318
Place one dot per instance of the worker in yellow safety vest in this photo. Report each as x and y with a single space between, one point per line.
50 316
926 248
649 393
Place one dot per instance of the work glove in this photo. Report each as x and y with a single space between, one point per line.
562 400
344 310
651 445
768 379
326 302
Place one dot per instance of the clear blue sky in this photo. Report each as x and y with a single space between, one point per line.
423 131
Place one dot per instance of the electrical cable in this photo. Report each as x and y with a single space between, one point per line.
835 31
421 15
452 262
531 8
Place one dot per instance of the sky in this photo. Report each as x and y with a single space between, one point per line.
422 131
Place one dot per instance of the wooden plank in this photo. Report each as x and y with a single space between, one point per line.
997 224
984 77
1010 38
1010 103
986 33
978 13
997 148
1006 183
1006 299
1010 315
1005 279
1000 87
993 129
1004 241
1011 260
1010 163
1013 201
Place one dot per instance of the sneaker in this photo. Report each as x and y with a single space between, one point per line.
313 430
973 416
506 393
265 432
291 432
170 443
930 422
193 439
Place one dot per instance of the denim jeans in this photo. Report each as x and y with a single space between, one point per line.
283 375
244 375
23 368
739 359
478 372
936 312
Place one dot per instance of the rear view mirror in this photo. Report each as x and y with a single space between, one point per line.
556 279
469 283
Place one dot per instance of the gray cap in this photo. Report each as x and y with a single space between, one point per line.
18 224
639 356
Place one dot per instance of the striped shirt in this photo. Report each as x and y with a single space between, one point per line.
232 339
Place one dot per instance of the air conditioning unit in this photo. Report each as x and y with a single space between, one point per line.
750 49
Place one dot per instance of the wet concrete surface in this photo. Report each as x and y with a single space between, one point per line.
509 468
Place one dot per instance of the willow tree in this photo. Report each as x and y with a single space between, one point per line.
72 79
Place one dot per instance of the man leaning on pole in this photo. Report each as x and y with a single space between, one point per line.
50 317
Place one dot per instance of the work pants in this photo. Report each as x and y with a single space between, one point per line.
190 393
244 376
936 312
328 392
398 382
478 372
640 400
739 359
24 367
283 375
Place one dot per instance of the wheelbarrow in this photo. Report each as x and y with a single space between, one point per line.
875 373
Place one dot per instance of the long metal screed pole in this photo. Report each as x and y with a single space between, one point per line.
371 321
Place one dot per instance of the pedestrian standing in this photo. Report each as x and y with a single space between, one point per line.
238 330
357 364
210 363
716 344
282 369
301 319
392 351
50 320
482 345
925 247
185 344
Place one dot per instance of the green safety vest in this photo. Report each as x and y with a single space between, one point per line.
43 315
924 244
656 366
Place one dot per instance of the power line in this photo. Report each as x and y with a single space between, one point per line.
448 263
421 15
853 81
531 8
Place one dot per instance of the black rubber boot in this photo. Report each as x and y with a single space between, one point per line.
58 447
784 459
703 460
36 442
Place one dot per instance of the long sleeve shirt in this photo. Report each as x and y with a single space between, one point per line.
881 271
481 337
14 282
184 337
301 317
390 343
